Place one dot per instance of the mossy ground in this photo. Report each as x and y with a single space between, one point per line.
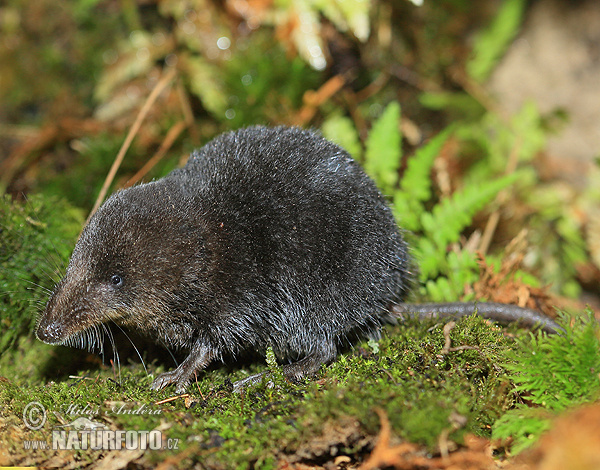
425 394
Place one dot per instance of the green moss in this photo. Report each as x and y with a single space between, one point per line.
36 238
553 373
425 393
422 390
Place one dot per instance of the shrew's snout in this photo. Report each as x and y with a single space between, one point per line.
51 328
49 332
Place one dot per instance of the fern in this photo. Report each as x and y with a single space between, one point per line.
447 220
442 272
415 187
563 243
383 152
461 269
450 217
561 370
554 372
523 426
492 43
341 130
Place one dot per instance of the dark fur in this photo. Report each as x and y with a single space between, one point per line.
267 237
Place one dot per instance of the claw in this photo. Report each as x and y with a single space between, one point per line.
168 378
197 360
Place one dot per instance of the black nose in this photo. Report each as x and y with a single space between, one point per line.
49 333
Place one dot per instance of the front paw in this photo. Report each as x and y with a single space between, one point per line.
197 360
173 377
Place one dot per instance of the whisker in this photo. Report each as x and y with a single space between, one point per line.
116 358
172 357
44 289
54 275
134 347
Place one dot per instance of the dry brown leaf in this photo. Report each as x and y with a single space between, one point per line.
313 99
117 459
504 288
573 443
405 456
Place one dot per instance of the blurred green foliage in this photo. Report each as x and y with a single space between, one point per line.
36 237
495 39
264 80
50 55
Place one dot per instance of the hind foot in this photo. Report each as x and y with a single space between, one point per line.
295 371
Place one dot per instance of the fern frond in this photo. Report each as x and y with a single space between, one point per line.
450 217
383 149
523 426
492 43
340 129
415 186
561 370
460 269
555 372
440 290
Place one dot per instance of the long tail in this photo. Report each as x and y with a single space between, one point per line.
502 313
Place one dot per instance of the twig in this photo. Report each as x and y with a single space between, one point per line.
198 385
172 135
167 400
160 86
448 341
313 99
492 223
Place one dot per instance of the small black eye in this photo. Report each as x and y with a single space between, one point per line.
116 280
